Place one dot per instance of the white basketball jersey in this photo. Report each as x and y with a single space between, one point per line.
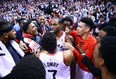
60 42
55 66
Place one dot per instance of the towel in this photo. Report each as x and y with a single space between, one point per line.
33 46
6 60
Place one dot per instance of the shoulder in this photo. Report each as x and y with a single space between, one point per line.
73 33
68 53
68 57
92 41
92 38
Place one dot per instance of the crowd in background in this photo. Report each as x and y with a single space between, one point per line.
101 12
43 27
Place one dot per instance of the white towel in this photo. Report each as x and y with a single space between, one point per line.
6 61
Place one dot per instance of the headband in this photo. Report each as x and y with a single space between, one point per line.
5 30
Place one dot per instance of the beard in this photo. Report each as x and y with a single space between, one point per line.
12 37
56 32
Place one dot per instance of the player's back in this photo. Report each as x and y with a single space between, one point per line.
55 66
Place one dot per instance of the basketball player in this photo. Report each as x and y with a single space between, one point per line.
57 64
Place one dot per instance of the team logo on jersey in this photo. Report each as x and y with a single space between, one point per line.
60 46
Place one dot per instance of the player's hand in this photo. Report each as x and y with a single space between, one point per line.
68 46
23 46
67 30
81 51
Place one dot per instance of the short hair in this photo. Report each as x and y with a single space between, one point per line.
20 20
56 19
41 16
48 42
29 67
5 26
108 52
88 21
67 18
112 21
101 16
110 30
25 26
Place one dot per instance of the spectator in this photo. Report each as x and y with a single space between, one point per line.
30 37
10 52
42 28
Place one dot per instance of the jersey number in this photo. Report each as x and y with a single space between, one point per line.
54 73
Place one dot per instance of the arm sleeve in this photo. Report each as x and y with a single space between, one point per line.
96 72
73 33
77 54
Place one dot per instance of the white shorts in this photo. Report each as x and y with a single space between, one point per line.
81 74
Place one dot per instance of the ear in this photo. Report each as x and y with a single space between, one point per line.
5 35
87 29
60 25
28 31
101 62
